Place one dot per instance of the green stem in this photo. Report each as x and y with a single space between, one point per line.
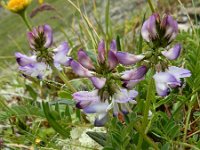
151 6
146 138
146 111
25 19
187 123
186 145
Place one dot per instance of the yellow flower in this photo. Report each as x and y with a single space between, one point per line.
40 1
17 6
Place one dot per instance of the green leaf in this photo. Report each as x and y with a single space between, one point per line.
54 124
99 137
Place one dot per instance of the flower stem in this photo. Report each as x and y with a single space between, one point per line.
151 6
25 19
146 110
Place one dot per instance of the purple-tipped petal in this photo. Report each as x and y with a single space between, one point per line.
113 46
24 60
124 96
96 108
112 60
101 52
162 89
31 40
48 33
80 70
129 84
85 60
60 55
101 120
86 96
62 48
98 82
149 31
172 53
163 80
34 70
170 26
179 72
127 58
134 74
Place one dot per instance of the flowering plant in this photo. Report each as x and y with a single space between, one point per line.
142 98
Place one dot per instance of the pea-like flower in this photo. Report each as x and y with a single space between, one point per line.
40 38
171 78
29 65
17 6
131 77
159 31
91 102
61 55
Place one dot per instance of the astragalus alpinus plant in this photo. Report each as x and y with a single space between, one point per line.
134 97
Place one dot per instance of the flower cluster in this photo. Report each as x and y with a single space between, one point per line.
112 88
40 41
160 33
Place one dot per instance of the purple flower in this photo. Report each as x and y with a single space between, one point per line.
149 31
98 82
172 53
40 37
91 102
127 58
101 52
85 60
170 26
24 60
29 65
122 97
132 77
80 70
34 70
60 55
86 68
170 78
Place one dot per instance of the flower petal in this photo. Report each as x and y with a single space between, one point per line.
48 33
172 53
98 82
96 108
60 55
179 72
80 70
134 74
101 120
113 46
24 60
86 96
85 60
112 60
127 58
101 52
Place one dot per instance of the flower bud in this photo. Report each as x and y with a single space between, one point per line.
40 37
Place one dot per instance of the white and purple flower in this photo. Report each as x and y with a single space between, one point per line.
171 78
91 102
29 65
